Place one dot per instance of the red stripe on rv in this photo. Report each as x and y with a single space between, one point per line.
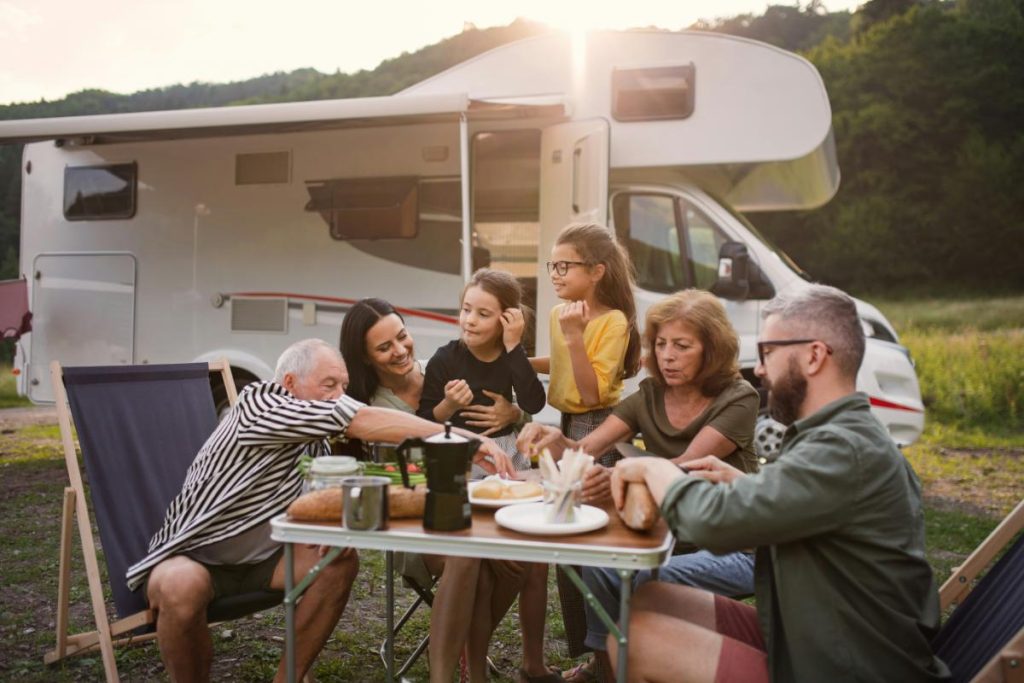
342 300
882 403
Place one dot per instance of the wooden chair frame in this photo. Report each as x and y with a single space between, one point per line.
107 633
1008 664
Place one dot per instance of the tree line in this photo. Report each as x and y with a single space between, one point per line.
927 101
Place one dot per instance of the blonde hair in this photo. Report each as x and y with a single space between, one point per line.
705 314
596 245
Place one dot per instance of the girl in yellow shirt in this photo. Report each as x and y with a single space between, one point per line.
595 344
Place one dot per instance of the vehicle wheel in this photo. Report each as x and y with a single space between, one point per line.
767 438
220 394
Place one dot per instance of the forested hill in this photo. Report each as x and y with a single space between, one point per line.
927 100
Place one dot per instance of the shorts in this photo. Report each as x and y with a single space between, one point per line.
238 579
578 425
744 656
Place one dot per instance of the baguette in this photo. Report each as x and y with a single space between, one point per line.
325 505
639 512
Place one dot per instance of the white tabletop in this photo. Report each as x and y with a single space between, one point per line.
614 546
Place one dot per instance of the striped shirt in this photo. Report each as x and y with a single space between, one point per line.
246 471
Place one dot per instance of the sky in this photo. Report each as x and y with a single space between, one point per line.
51 48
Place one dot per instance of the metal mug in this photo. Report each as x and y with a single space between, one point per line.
365 503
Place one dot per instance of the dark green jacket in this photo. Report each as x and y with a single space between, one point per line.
844 592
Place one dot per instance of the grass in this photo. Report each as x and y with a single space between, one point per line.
952 315
8 390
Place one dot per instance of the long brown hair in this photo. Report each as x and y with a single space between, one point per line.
596 245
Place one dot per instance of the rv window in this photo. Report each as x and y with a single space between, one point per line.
703 242
653 94
435 233
647 224
366 208
100 192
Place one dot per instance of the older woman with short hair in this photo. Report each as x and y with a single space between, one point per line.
692 404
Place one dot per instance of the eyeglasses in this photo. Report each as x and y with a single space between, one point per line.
562 267
761 346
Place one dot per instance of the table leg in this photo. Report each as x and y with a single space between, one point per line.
618 631
626 577
289 613
389 593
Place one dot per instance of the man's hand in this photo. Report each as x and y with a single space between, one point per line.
714 469
573 318
626 471
502 414
597 485
535 437
492 458
657 473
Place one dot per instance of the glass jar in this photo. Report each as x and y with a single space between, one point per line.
328 471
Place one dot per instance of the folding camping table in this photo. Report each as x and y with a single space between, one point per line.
614 546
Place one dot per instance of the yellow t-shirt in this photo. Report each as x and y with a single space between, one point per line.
605 340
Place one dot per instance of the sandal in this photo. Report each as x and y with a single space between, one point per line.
552 676
584 672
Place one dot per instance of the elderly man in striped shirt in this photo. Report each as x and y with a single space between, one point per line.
215 540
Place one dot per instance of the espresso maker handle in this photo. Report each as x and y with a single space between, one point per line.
400 453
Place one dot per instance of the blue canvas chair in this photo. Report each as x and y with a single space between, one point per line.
139 428
983 639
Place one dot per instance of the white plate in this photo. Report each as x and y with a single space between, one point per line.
500 502
529 519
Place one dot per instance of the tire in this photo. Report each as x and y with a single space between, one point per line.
220 394
767 438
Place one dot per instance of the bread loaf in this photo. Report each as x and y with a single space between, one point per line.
639 512
325 505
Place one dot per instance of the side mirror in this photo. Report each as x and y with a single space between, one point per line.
733 272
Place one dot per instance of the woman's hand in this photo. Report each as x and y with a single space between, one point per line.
512 325
573 318
597 485
714 469
535 437
496 417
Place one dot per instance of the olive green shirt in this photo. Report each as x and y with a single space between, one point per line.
843 590
732 413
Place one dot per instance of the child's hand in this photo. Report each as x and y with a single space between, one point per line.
573 318
512 325
458 394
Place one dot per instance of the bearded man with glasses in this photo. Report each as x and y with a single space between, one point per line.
842 587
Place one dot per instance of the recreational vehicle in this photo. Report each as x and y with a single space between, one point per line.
189 235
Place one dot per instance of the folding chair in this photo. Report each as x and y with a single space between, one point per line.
983 640
139 428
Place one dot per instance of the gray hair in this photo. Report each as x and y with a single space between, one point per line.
300 358
824 313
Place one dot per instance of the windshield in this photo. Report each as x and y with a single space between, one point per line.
771 245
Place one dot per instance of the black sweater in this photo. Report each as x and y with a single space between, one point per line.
510 370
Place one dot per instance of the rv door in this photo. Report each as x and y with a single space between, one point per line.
84 314
573 189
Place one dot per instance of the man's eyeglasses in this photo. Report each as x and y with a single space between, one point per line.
761 346
562 267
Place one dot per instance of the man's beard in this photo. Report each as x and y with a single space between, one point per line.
786 395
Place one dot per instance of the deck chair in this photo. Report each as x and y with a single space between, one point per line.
139 428
983 639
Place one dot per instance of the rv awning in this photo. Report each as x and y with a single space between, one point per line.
263 118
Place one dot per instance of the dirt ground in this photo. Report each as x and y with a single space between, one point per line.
980 484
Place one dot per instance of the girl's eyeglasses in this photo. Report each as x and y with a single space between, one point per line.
562 267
